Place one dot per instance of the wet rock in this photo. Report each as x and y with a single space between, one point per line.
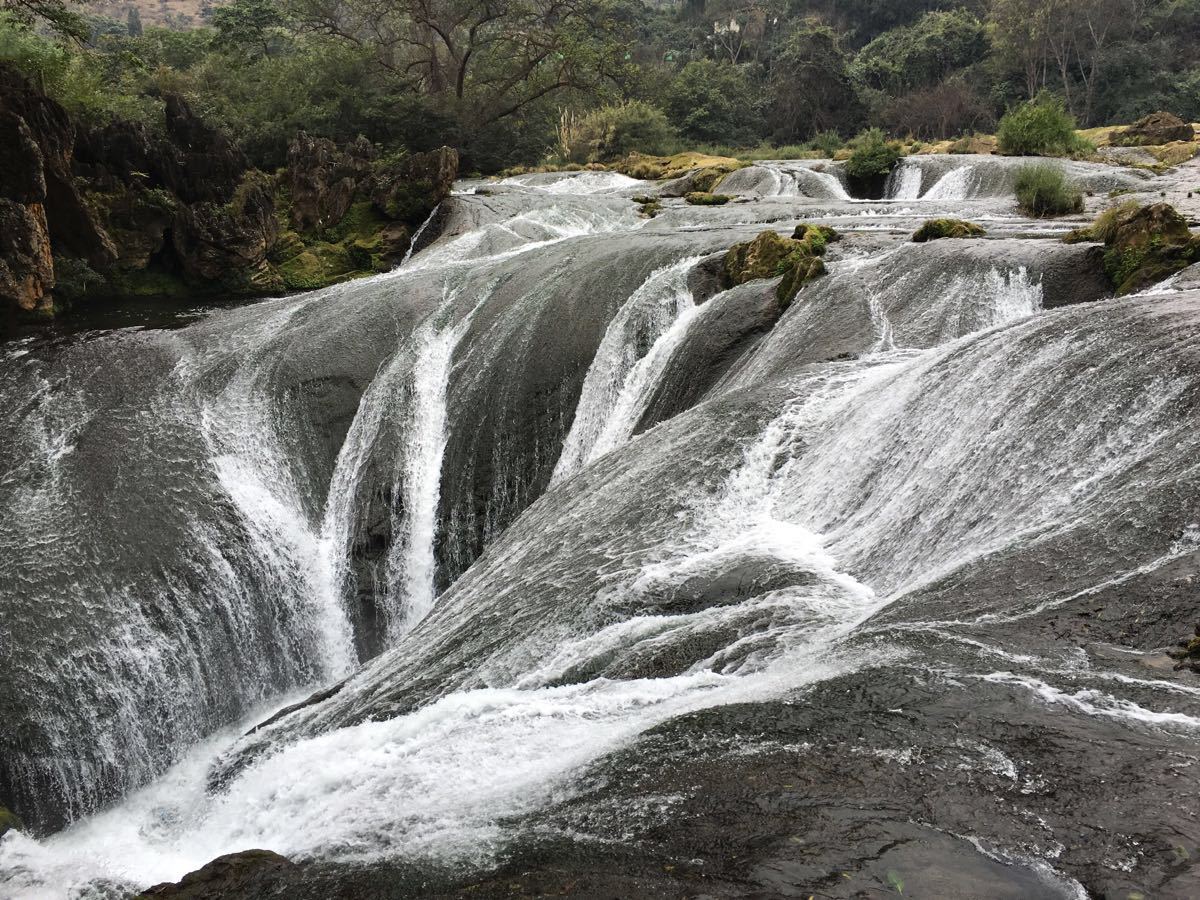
1154 129
936 229
323 178
246 874
796 259
1145 245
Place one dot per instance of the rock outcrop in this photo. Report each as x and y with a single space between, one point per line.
797 259
323 179
115 210
249 873
1143 245
26 265
1154 129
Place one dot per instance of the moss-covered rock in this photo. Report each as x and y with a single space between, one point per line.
657 168
702 198
936 229
797 259
9 821
1155 129
1143 244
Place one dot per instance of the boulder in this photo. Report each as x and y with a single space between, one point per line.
936 229
1154 129
229 243
323 179
797 259
410 188
249 873
1144 245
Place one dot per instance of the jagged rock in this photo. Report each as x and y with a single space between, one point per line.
230 243
137 221
26 264
244 874
210 165
936 229
408 190
72 226
1154 129
323 179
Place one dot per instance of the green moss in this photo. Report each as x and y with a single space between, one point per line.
702 198
936 229
150 283
797 259
1143 244
9 821
361 222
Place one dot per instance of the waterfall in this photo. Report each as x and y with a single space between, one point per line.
941 480
905 182
635 347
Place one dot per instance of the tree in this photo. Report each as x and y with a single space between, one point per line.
811 90
921 54
58 15
486 59
714 102
246 26
133 22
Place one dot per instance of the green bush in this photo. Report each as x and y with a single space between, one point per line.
828 143
872 155
1041 127
614 131
1042 191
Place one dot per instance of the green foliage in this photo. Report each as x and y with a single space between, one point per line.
247 26
1041 127
936 229
703 198
1043 191
872 155
811 89
827 143
710 101
921 54
615 131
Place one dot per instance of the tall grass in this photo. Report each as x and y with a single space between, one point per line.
1043 191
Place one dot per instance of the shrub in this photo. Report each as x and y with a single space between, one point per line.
612 132
828 143
1042 191
1041 127
872 155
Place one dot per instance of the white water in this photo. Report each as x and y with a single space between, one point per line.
636 345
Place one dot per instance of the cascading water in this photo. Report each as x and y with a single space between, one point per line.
845 562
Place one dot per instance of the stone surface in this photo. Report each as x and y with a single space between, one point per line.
1156 128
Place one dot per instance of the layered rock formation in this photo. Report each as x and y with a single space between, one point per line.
118 210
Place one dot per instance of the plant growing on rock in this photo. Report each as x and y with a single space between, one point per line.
872 155
797 259
935 229
703 198
1043 192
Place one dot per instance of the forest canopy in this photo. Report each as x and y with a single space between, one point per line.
499 78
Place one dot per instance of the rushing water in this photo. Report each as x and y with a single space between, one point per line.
440 486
